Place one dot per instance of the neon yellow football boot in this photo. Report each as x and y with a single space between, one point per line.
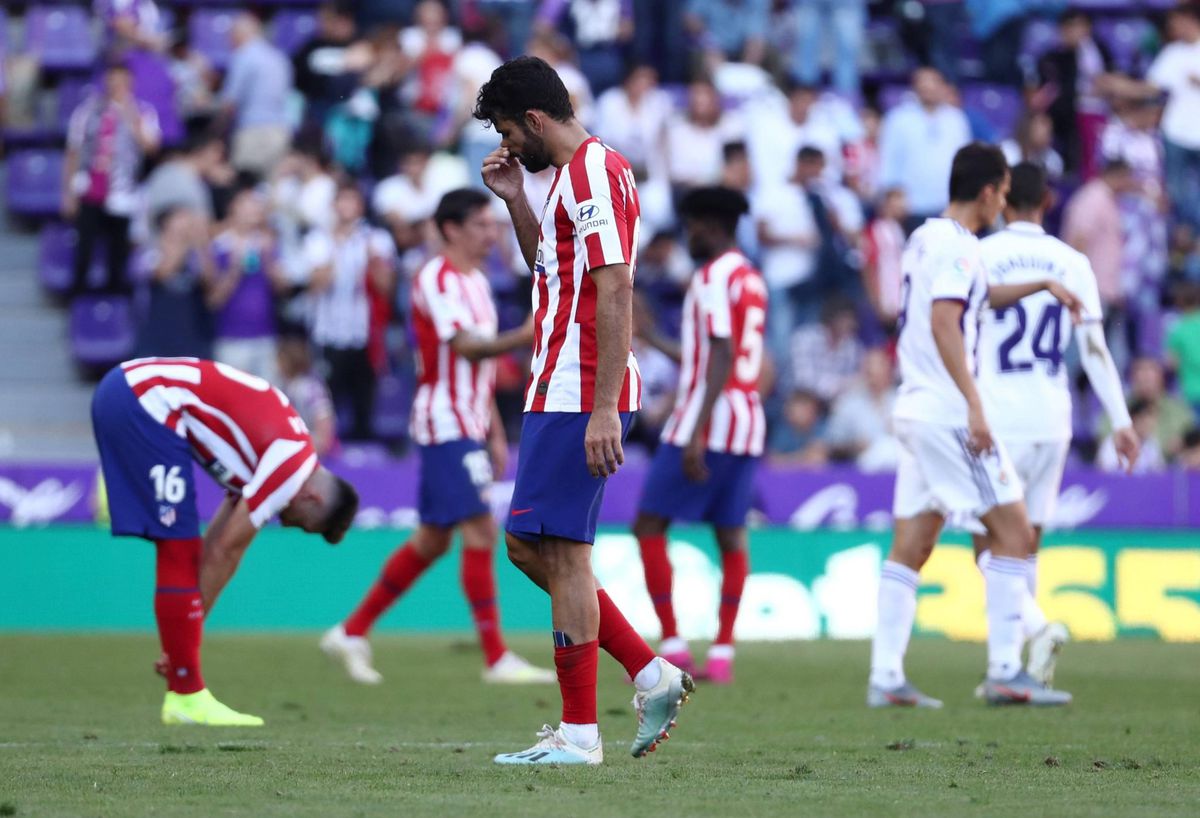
202 707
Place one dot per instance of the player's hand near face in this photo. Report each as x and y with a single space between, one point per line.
694 467
979 434
503 175
602 443
1128 447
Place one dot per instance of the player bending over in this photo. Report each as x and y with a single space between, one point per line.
704 468
152 418
581 397
1023 382
459 437
949 462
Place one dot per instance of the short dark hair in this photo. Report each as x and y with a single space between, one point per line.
457 206
734 150
341 516
808 153
1072 15
976 166
1116 165
1140 406
1186 10
1191 438
721 204
520 85
1028 188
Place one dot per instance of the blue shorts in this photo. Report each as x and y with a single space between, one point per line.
455 480
723 499
147 467
555 494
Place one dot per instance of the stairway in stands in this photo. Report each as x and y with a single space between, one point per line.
44 404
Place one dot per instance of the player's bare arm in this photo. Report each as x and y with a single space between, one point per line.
614 329
477 348
720 363
497 443
225 541
945 322
503 176
1106 383
1005 295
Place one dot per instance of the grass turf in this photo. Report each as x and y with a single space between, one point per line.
79 736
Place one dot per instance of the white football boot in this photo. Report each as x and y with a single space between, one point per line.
354 654
511 669
554 748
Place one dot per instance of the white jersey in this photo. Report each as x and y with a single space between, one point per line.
454 395
1022 380
942 261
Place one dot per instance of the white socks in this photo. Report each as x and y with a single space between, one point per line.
1032 617
674 644
648 676
897 611
586 736
1006 583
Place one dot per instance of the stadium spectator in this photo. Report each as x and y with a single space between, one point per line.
860 422
861 156
1176 71
998 25
918 140
733 30
255 94
1147 381
838 215
1189 455
798 437
557 50
736 174
305 390
632 118
883 247
826 356
514 18
1033 141
790 245
302 193
135 34
345 264
1183 345
405 201
933 31
473 66
430 44
327 68
195 80
775 135
815 22
600 29
1072 76
1145 423
181 181
696 136
177 322
108 135
246 280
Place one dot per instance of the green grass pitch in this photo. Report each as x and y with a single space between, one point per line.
79 736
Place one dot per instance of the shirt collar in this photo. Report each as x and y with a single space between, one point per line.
1026 227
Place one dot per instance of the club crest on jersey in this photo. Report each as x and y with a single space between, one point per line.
166 515
588 217
962 265
1003 478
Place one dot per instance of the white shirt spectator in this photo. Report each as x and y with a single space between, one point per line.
638 132
917 148
1176 70
863 422
785 212
259 84
341 312
774 139
694 151
399 196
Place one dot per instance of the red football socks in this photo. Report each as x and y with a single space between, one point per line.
619 638
179 611
736 566
576 666
657 567
399 572
479 585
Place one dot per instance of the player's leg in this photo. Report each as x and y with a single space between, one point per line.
1006 588
734 545
179 611
651 532
913 539
478 578
1042 476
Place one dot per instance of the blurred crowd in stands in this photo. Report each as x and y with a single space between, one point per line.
260 182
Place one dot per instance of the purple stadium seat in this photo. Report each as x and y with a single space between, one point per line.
101 330
1124 37
208 32
892 95
392 401
71 92
1000 105
56 250
35 182
292 29
61 36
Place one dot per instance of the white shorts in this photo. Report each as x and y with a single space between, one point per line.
1040 465
937 473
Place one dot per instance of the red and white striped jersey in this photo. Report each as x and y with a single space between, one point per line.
242 430
726 299
590 221
454 395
